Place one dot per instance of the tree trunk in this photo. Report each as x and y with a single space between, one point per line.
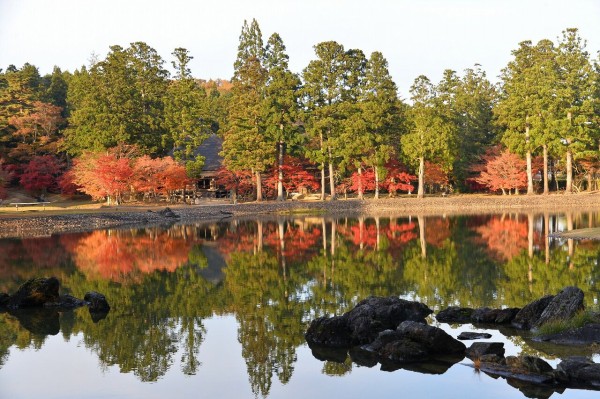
422 240
569 166
376 182
360 187
421 177
322 182
331 177
259 196
529 175
546 186
589 179
280 196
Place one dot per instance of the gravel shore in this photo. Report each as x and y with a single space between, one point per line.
39 223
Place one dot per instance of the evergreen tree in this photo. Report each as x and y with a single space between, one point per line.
576 101
246 145
185 116
281 106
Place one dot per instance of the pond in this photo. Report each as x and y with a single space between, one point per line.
220 309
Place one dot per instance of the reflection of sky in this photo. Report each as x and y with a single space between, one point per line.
67 370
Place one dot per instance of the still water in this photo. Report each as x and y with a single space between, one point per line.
220 309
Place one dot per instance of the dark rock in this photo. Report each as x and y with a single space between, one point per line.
168 213
437 365
435 340
465 335
485 315
363 357
507 315
66 302
479 349
534 364
97 302
404 351
586 335
455 314
327 353
362 324
531 313
492 358
579 371
35 292
329 331
563 306
4 299
531 389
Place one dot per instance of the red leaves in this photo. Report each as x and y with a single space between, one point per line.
41 174
503 172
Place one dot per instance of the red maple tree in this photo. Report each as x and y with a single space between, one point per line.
505 171
41 174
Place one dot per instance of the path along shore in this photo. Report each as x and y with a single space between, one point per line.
36 222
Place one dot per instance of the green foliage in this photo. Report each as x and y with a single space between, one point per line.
579 320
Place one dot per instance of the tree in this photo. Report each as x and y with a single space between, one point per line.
246 145
576 101
41 174
292 175
281 107
431 134
185 116
503 172
118 101
323 94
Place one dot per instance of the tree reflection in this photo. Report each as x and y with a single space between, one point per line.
275 275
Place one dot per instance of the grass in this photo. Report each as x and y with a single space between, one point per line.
558 326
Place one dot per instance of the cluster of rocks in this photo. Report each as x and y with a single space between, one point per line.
39 298
393 330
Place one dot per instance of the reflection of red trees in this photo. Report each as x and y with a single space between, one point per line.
365 234
299 242
505 237
122 255
437 230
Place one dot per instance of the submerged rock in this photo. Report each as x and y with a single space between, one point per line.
479 349
455 314
96 302
466 336
585 335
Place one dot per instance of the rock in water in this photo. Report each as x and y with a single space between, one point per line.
531 313
466 335
35 292
97 302
362 324
563 306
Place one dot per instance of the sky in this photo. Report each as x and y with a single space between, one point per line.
418 37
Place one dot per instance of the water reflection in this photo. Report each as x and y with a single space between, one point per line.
275 275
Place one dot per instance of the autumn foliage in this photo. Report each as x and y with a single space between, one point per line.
505 171
41 174
295 176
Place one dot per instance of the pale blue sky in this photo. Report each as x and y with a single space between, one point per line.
417 37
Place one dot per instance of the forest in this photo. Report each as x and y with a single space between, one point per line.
124 127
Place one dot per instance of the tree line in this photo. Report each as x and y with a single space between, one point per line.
340 120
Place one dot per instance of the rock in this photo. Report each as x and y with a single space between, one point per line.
479 349
97 302
531 313
4 299
579 371
535 365
492 358
35 292
38 321
168 213
586 335
465 335
485 315
362 324
436 340
563 306
455 314
329 331
507 315
65 302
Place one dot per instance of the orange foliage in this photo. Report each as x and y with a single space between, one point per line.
505 237
437 231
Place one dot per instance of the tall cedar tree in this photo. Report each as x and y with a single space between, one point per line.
186 119
281 104
382 111
323 95
246 145
575 125
431 134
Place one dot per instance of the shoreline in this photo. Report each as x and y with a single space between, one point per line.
36 223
